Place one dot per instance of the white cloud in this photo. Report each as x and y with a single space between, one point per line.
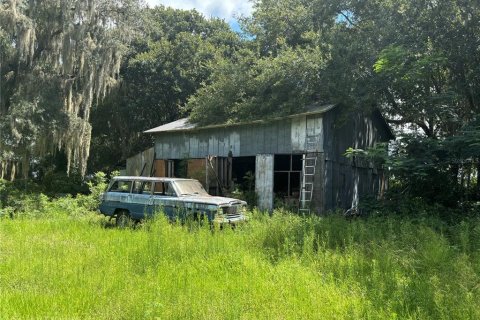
225 9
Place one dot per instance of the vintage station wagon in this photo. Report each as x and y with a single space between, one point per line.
135 198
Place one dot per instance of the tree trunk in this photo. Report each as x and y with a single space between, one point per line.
462 182
12 171
478 179
469 180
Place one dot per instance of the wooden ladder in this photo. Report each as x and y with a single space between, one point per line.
308 175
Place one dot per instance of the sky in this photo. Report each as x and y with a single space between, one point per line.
225 9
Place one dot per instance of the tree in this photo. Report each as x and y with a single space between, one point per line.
58 57
174 54
417 61
251 88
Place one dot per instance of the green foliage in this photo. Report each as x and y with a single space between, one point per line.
416 61
440 171
251 88
97 186
246 191
171 58
279 267
29 199
59 183
56 59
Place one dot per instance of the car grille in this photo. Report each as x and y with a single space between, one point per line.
232 212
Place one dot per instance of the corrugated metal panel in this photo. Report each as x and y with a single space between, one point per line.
315 129
284 144
194 145
280 137
264 181
202 147
270 138
234 144
213 144
298 133
348 181
318 198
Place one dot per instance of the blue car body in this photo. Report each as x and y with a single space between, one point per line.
140 197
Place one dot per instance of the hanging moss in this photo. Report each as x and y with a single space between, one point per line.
77 45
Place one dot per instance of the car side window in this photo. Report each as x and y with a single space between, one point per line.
158 188
169 191
142 187
137 187
121 186
147 187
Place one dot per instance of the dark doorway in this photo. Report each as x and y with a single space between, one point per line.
240 167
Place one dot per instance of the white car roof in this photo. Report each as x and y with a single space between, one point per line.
150 178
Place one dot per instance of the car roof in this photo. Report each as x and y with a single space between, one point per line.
150 178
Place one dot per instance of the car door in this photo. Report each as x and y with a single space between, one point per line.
165 198
141 198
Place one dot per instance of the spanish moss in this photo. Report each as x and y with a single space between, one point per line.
57 58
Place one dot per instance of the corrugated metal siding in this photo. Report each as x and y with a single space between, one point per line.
298 133
277 137
315 129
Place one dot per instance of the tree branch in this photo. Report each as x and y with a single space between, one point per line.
397 121
425 128
348 19
421 124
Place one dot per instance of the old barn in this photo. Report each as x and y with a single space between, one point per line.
296 160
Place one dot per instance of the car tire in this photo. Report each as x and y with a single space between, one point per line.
123 219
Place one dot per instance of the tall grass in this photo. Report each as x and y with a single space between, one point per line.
275 267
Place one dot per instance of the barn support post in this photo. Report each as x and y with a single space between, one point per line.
207 185
264 181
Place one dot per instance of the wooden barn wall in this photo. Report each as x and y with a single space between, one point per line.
346 180
277 137
136 163
318 197
159 168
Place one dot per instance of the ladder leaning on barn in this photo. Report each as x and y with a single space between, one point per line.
308 174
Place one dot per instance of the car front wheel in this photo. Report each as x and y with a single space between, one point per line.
123 219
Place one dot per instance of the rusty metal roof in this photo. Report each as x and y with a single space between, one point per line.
185 125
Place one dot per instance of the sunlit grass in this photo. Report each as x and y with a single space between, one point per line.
279 267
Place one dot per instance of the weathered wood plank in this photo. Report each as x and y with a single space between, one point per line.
264 180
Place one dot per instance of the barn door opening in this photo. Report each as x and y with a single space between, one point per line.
286 177
219 175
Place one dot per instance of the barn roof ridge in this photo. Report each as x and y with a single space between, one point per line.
184 124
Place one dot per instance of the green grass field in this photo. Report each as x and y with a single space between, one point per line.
63 266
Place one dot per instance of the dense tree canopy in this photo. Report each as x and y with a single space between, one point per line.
252 88
57 57
175 53
110 69
416 60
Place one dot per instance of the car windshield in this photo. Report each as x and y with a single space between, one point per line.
190 187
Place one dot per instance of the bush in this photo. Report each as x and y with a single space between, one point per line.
97 185
25 199
59 184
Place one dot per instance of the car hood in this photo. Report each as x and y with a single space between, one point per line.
220 201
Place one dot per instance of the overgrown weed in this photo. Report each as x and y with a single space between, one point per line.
67 261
